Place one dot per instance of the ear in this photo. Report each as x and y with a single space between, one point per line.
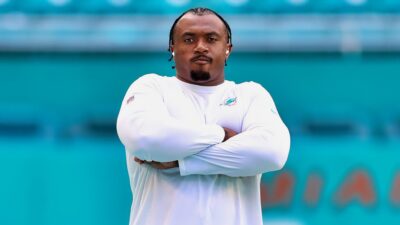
171 48
228 50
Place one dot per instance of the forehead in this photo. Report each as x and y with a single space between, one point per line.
198 24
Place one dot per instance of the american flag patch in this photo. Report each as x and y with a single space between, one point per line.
130 99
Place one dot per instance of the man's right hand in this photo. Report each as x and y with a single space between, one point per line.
228 133
158 165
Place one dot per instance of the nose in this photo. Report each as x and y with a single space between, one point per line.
201 47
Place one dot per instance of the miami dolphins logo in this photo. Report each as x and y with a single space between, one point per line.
230 101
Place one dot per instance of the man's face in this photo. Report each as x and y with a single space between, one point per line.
200 49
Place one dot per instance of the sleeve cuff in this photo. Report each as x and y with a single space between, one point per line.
182 167
220 133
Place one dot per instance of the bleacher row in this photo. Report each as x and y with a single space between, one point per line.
106 128
177 6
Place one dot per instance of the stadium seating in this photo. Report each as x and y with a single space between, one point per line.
231 6
7 6
106 6
389 6
282 6
177 6
47 6
344 6
162 7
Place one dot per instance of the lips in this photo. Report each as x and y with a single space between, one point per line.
201 59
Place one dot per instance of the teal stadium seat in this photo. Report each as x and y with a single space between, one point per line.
107 6
344 6
231 6
328 6
24 122
163 6
282 6
389 6
359 6
48 6
7 6
159 7
179 6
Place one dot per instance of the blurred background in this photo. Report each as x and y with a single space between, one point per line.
332 67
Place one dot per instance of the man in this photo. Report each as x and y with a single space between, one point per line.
197 144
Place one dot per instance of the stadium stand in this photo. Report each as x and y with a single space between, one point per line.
282 6
330 65
47 6
7 6
106 6
162 7
389 6
167 7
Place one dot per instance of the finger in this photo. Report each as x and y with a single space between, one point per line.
138 160
156 165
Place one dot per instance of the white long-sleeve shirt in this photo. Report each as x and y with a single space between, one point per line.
164 119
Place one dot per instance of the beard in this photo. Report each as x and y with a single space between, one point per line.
200 75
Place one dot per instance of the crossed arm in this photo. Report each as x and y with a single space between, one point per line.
153 136
168 165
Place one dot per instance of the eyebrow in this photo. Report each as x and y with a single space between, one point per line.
213 33
188 34
207 34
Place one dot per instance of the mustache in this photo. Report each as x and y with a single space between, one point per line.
201 57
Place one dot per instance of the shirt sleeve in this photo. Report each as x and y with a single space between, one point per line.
148 132
262 146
